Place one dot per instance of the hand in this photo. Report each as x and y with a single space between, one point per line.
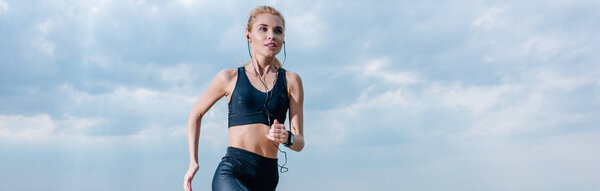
187 180
277 133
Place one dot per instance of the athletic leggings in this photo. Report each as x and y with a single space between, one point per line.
244 170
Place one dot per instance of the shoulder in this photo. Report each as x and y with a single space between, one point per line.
293 80
224 78
226 75
289 75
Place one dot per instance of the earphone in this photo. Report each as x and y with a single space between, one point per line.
268 97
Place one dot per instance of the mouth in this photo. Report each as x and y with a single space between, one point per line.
271 46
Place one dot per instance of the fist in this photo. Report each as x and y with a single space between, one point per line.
277 133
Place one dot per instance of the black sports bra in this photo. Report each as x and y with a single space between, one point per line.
248 105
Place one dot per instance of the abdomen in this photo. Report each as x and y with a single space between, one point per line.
251 137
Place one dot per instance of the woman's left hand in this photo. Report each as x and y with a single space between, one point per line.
277 133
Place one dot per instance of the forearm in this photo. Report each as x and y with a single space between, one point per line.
193 133
298 143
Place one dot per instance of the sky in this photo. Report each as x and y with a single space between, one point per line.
399 95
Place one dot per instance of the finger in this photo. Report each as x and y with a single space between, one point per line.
281 126
283 137
275 131
275 126
276 122
185 185
276 138
278 131
270 137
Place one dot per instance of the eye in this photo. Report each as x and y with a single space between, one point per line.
263 29
278 31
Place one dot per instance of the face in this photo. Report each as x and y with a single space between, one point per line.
266 35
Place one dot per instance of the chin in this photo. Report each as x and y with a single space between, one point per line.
270 54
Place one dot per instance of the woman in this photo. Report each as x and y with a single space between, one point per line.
258 95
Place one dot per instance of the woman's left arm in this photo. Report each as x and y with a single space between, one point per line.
296 97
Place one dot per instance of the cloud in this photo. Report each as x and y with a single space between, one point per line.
3 6
313 29
26 127
137 107
123 110
467 94
387 97
44 128
387 106
380 68
471 98
177 74
490 18
186 3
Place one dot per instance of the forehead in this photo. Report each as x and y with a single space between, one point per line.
268 19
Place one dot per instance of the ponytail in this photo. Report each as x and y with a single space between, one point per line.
277 63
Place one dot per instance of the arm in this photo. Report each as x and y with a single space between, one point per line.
296 95
216 90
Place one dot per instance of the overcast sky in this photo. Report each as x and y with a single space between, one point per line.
399 95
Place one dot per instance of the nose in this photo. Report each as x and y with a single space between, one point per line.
270 34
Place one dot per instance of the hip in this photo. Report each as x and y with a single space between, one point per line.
243 170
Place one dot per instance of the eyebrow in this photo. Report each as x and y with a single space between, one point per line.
268 25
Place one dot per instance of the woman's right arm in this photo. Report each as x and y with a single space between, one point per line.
216 90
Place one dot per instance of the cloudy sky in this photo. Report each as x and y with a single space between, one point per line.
399 95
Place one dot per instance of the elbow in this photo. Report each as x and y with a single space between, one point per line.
195 116
299 146
194 120
299 149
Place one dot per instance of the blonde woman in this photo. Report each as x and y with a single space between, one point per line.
259 94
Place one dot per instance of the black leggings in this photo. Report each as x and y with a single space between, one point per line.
244 170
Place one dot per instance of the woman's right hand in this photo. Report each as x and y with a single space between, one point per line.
187 180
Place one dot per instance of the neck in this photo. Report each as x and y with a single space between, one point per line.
263 64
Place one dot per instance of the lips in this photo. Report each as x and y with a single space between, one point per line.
271 46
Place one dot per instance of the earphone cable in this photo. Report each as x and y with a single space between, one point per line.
268 95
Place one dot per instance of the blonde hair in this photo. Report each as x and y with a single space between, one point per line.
260 10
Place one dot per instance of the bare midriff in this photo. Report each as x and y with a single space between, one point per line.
251 137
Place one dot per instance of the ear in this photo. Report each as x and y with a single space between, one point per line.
248 36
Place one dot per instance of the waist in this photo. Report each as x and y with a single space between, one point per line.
248 155
252 138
